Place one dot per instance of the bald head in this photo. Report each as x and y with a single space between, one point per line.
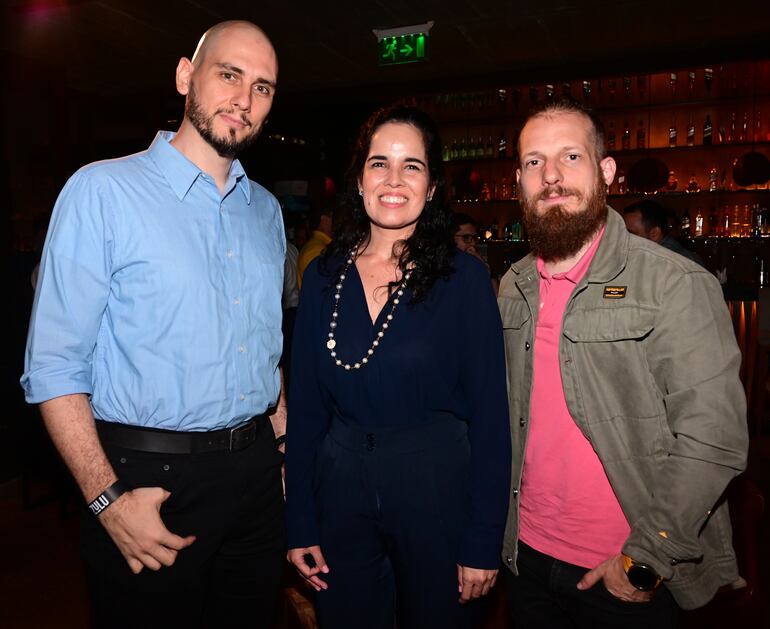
214 35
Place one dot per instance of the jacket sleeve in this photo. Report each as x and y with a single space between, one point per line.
308 415
695 360
484 387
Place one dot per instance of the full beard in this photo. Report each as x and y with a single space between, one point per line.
226 146
558 234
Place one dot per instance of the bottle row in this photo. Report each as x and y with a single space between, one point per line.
729 221
729 128
724 81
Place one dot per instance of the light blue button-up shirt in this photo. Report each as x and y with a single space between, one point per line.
159 296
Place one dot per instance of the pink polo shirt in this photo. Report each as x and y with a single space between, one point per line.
567 507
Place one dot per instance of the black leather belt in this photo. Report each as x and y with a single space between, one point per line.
176 442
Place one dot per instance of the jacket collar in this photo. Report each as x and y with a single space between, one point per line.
609 260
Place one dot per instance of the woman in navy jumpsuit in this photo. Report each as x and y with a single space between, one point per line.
398 450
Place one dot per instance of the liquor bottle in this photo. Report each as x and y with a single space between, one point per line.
672 183
516 231
494 229
502 145
480 148
672 134
611 137
758 127
490 150
502 95
566 90
692 184
708 78
713 174
627 86
731 133
725 230
626 141
762 274
454 152
485 195
463 150
698 224
714 222
672 79
641 136
691 83
686 224
756 221
549 92
691 133
508 231
744 134
505 190
708 129
445 153
622 188
586 90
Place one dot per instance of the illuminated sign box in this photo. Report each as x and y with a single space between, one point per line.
407 44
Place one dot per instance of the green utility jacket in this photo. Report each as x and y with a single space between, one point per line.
649 366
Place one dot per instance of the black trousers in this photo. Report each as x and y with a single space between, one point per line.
391 508
544 595
230 576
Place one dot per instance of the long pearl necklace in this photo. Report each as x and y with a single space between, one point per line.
331 344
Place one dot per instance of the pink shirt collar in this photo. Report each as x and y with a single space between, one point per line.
576 273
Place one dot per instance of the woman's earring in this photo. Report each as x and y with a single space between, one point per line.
360 192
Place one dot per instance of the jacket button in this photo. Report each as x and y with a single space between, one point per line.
527 346
521 422
508 560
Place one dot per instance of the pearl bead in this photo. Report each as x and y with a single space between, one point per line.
395 301
338 361
347 367
384 326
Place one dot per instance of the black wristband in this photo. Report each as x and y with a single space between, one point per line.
107 497
279 441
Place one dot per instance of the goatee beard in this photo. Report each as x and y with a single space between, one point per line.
558 234
227 146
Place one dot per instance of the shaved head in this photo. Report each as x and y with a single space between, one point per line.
212 36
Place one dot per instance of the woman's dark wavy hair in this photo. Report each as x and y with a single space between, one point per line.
430 248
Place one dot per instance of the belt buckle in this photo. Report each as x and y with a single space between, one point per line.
246 429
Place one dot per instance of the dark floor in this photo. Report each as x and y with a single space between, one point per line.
42 584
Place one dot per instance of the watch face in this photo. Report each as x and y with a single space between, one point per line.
642 577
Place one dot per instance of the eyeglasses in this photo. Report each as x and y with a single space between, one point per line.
468 238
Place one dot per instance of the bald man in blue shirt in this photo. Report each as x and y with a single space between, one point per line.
153 352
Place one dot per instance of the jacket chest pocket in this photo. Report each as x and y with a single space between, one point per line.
611 371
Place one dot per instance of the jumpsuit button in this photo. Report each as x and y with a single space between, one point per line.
508 560
521 422
515 493
527 346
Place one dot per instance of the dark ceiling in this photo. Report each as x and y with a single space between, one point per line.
328 48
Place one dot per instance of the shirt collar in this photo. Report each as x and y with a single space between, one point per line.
181 173
576 273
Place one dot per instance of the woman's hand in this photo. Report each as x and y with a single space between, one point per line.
474 582
309 562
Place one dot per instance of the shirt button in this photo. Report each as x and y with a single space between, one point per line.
527 346
243 397
229 253
236 301
241 349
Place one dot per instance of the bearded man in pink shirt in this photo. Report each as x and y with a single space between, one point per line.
628 416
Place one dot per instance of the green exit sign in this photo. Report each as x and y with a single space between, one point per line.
403 48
